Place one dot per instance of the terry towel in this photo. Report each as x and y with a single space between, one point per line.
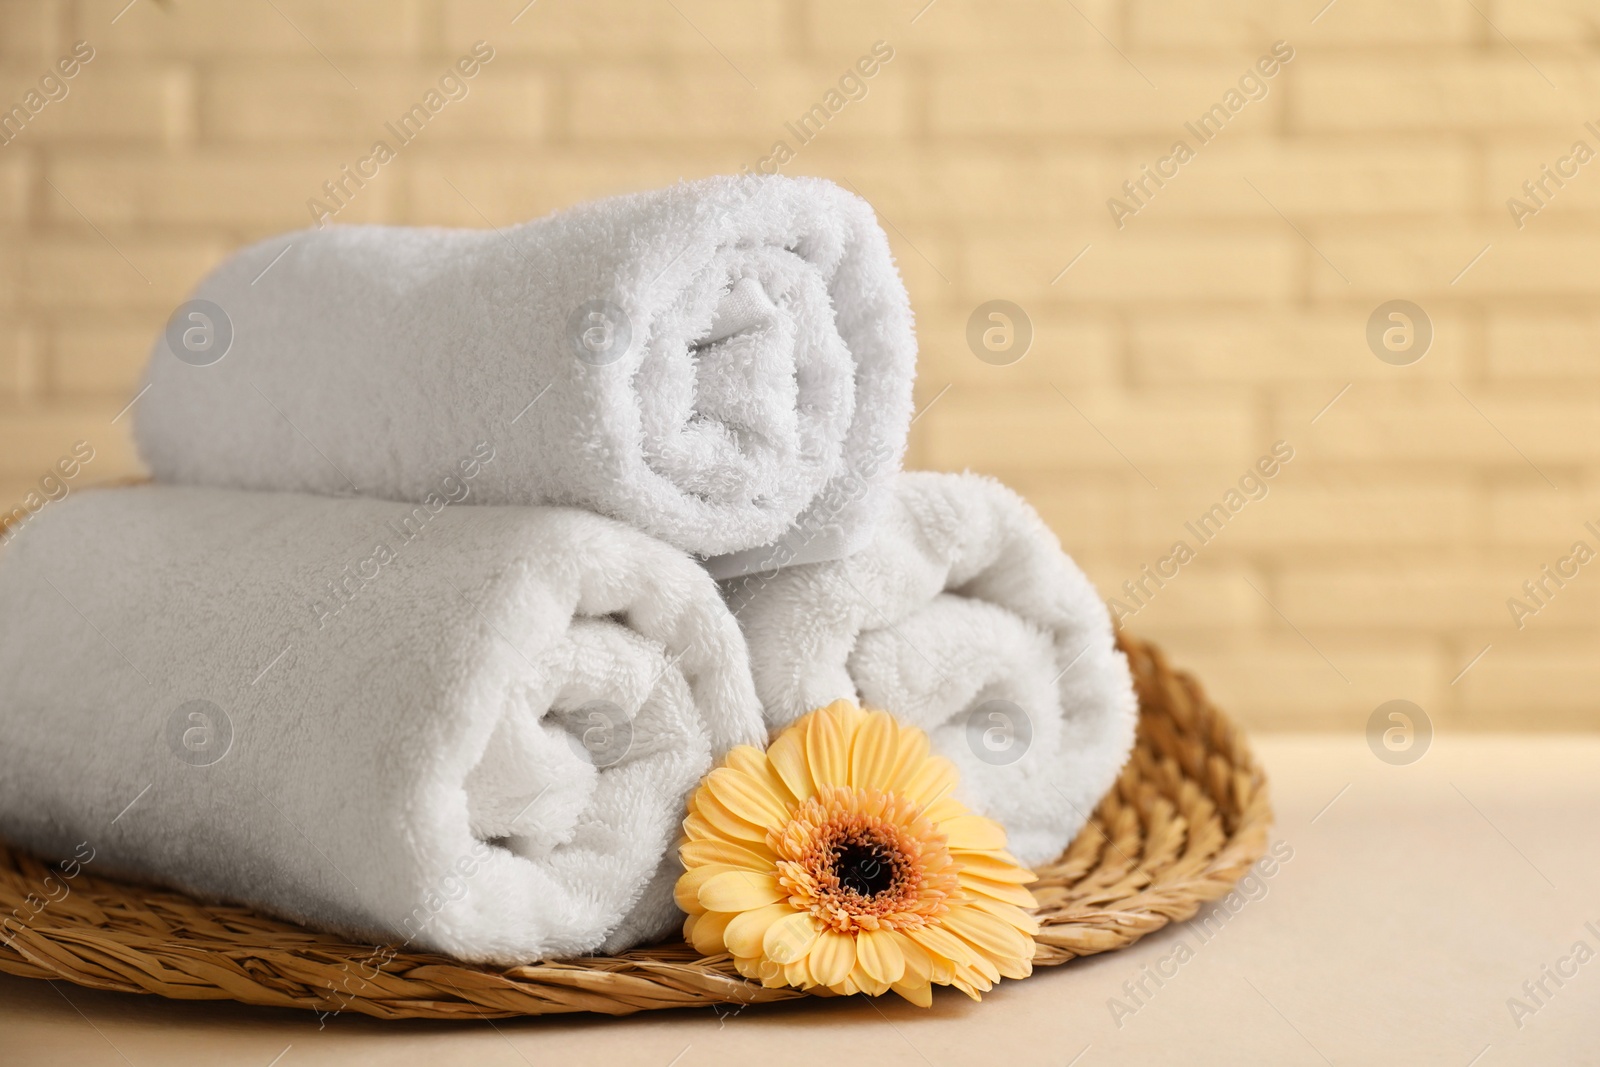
964 617
725 364
465 729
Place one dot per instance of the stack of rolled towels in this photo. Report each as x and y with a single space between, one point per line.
469 553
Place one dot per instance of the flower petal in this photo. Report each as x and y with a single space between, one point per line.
864 981
948 808
974 832
704 932
878 953
798 973
1011 967
1007 913
979 971
911 751
942 944
749 855
791 937
827 749
774 976
755 763
748 798
932 781
995 866
919 964
994 937
919 993
746 930
872 751
849 714
725 823
1009 892
695 827
745 758
832 957
738 890
687 890
787 758
971 986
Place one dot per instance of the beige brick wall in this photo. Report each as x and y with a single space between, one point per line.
1223 316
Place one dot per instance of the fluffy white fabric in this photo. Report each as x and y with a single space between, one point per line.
755 412
414 758
964 617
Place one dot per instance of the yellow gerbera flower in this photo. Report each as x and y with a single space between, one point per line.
838 858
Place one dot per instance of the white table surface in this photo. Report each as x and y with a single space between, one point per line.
1417 902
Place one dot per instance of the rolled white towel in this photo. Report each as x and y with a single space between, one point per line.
468 729
964 617
725 364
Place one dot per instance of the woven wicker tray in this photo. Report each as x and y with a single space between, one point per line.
1184 822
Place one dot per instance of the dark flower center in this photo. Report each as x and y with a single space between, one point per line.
863 868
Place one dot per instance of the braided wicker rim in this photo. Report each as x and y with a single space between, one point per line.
1185 820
